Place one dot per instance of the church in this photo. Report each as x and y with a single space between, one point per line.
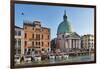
67 39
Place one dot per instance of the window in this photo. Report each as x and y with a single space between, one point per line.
37 36
37 29
25 43
25 35
29 49
88 39
33 28
42 49
32 43
19 42
19 33
32 49
42 43
37 43
42 36
25 50
48 43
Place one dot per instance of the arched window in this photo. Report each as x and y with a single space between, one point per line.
19 42
25 35
37 36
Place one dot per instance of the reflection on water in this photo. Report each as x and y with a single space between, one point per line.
82 58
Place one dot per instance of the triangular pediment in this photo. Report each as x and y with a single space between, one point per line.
73 35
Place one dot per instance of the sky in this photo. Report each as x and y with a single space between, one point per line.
81 19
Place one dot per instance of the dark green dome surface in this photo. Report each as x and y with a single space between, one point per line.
65 26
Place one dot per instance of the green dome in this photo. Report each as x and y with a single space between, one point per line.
65 26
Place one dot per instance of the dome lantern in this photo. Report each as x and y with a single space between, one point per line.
65 17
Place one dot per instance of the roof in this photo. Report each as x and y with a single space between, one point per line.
18 27
73 34
45 28
87 35
28 24
64 26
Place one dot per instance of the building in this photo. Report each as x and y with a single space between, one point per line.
88 41
36 38
53 44
19 49
67 39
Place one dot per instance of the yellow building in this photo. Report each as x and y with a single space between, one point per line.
36 38
88 41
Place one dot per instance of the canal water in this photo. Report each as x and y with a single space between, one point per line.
82 58
70 59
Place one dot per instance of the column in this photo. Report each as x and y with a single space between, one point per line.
65 43
70 43
73 43
76 43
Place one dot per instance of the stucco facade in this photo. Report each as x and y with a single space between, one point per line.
36 38
88 41
19 46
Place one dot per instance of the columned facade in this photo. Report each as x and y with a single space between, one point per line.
67 39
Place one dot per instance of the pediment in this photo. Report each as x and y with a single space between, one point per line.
73 35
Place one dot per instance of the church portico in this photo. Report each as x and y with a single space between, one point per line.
72 44
67 40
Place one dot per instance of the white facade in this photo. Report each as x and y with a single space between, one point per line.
68 41
88 41
19 49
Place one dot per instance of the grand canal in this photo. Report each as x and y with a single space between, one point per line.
70 59
82 58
